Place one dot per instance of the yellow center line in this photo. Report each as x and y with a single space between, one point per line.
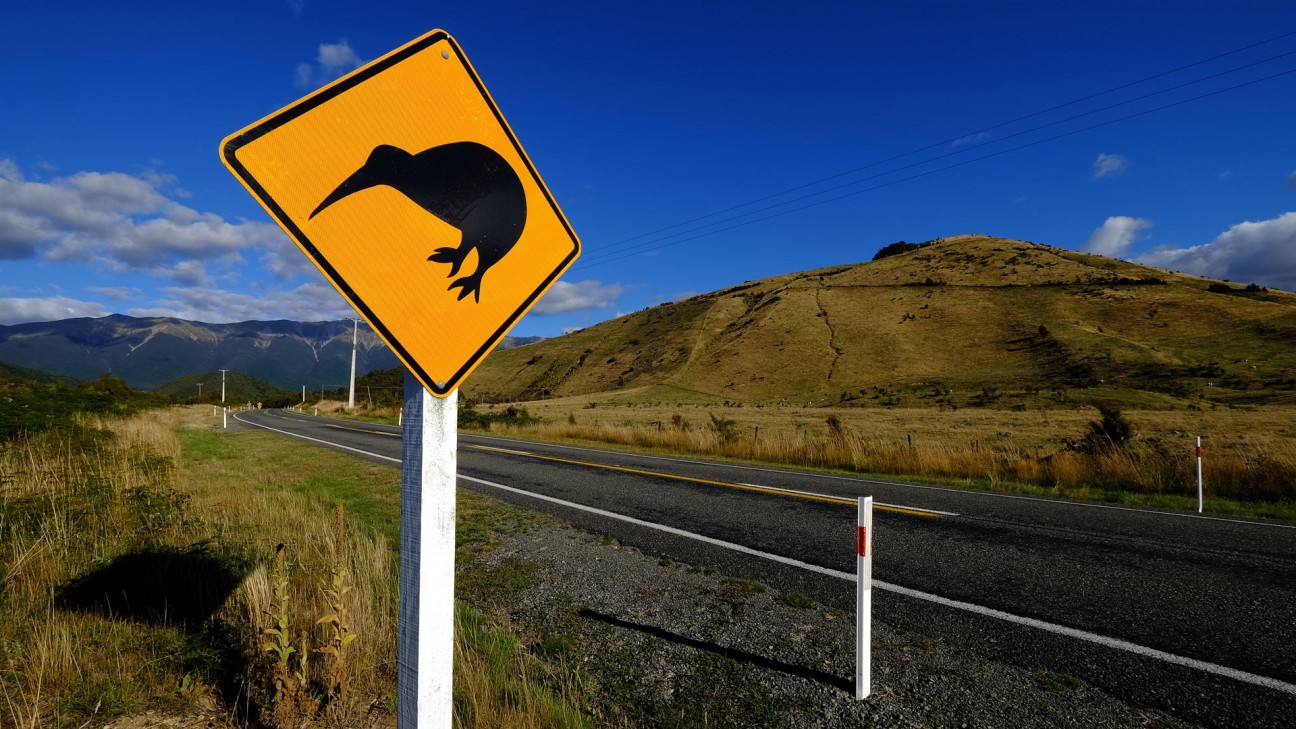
708 482
361 430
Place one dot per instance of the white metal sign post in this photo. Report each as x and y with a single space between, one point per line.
424 658
863 596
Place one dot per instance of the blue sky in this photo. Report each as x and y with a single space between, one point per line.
885 121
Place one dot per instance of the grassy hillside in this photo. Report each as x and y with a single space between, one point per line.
32 401
239 388
963 321
11 372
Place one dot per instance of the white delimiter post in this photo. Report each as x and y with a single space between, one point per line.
425 643
355 332
1199 476
863 596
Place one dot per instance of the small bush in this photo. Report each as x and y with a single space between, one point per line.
1108 434
470 417
725 428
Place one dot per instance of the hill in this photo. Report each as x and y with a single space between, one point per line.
12 372
32 401
239 388
967 320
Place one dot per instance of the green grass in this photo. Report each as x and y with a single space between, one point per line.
792 599
207 445
167 486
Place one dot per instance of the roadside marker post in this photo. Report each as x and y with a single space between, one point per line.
225 418
863 596
1199 476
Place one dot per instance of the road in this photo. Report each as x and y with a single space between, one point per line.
1164 609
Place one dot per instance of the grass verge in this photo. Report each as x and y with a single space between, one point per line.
1249 468
1245 479
138 573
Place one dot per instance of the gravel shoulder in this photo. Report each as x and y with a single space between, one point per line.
665 643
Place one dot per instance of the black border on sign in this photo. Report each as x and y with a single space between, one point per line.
230 154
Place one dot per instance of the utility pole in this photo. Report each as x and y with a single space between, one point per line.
200 390
223 386
355 333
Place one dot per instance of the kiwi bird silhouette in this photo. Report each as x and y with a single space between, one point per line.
465 184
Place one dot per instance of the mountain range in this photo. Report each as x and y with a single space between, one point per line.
147 352
966 320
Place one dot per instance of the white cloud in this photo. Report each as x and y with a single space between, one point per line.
308 302
120 221
9 171
286 261
1109 165
972 139
1114 236
333 61
16 311
1262 252
566 297
116 293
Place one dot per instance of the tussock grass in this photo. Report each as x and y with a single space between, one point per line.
96 521
1250 463
500 685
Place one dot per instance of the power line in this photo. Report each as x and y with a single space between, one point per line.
592 260
609 253
628 254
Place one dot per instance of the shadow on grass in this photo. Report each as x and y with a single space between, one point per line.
177 588
729 653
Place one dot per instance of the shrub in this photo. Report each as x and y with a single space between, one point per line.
1108 434
725 428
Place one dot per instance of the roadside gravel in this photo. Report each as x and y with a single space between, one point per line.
671 644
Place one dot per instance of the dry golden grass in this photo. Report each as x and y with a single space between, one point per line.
167 482
1250 454
70 504
1039 326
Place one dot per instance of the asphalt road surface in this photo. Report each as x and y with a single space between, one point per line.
1170 610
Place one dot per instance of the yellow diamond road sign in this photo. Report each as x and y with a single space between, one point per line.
406 187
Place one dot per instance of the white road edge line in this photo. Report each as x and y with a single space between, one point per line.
317 440
1102 640
900 484
830 496
1214 668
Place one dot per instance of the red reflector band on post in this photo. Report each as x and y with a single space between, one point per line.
1199 451
861 541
